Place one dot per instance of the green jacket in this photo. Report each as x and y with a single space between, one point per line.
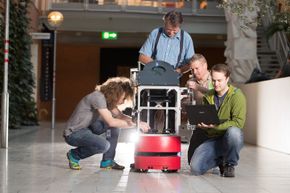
233 110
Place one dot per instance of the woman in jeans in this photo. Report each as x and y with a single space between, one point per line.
96 114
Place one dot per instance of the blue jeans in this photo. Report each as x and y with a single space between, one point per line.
212 152
89 142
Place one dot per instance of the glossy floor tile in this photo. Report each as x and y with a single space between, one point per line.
35 162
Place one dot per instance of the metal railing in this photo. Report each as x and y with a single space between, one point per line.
187 7
278 42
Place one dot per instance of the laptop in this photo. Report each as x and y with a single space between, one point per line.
206 114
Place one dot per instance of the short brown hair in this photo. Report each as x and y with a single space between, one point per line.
221 68
174 18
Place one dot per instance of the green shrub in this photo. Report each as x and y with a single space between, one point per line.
22 106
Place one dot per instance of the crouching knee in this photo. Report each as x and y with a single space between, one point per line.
100 148
235 136
105 147
196 169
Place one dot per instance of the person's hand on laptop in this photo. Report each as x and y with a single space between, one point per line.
205 126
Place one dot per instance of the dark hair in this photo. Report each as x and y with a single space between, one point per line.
221 68
174 18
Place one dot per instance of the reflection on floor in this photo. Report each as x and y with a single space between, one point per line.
35 162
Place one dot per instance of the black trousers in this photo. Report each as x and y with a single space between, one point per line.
198 137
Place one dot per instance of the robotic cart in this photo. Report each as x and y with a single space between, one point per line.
160 150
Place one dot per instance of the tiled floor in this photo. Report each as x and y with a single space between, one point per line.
35 162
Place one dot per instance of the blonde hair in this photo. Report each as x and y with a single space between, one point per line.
197 57
114 88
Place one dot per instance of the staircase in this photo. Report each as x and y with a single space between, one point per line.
268 59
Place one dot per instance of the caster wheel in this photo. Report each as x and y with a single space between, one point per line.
169 171
143 170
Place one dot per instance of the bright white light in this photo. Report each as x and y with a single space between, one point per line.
134 137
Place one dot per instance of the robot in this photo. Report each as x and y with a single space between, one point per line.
159 150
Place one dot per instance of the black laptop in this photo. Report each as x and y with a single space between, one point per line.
206 114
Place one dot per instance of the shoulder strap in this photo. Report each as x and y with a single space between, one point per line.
181 46
153 56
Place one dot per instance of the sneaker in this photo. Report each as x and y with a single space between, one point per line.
73 163
111 164
229 171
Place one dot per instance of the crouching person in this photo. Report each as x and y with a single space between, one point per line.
219 145
95 114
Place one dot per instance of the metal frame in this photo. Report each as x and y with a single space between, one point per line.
176 108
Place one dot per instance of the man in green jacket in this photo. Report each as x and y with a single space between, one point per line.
219 145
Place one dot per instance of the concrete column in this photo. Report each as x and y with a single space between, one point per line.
241 44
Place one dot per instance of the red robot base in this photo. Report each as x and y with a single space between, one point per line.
158 152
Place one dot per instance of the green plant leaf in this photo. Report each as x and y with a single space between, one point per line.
275 27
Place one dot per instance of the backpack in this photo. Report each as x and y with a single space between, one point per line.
257 76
